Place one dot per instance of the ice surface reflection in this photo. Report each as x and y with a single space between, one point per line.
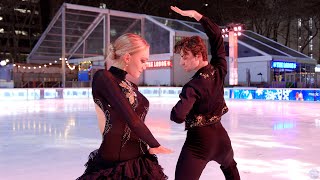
51 139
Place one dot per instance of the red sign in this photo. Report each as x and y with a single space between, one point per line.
159 64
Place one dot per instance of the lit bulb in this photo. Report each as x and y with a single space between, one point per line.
3 63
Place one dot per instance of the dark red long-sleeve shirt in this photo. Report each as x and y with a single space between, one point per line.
202 98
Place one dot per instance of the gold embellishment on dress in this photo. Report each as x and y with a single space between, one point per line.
141 142
143 115
129 92
126 136
108 125
131 95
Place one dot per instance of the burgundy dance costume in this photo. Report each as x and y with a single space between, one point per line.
201 106
123 153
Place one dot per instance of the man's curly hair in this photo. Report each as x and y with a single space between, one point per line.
193 44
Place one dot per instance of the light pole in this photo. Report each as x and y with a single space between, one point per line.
232 32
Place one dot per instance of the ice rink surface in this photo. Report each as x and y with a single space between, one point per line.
51 139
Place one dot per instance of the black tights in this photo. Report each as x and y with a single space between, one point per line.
204 144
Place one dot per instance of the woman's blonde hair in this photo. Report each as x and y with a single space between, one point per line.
126 43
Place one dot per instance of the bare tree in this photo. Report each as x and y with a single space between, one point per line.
309 15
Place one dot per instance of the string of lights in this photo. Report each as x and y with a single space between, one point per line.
67 63
28 66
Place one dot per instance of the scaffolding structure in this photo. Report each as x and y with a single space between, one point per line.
79 33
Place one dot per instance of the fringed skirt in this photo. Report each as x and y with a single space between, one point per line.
145 167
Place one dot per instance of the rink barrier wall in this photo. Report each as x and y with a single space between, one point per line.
168 92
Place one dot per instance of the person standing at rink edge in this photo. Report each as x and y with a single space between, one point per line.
202 104
121 110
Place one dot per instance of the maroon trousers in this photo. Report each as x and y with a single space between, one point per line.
204 144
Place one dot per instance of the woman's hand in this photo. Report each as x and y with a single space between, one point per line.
160 150
189 13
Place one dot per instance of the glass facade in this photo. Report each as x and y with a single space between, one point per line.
175 24
275 45
87 31
158 38
300 77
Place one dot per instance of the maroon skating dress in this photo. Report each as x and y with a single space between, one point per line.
123 153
